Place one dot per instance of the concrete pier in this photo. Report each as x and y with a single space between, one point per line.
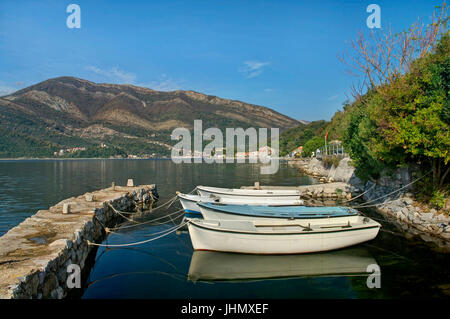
35 255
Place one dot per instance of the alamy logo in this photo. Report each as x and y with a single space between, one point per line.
215 152
74 277
374 20
74 19
374 279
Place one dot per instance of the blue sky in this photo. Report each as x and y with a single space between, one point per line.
280 54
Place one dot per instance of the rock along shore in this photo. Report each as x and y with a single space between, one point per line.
401 207
34 255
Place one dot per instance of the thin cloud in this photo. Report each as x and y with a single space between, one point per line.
164 83
114 75
253 69
6 89
333 97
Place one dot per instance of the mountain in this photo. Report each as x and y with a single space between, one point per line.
110 119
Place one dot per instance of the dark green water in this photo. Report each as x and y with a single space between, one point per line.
166 268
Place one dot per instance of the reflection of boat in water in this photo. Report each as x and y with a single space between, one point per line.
215 266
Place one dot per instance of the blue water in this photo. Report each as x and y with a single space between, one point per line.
165 268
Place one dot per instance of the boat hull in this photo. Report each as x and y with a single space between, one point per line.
279 215
228 193
190 206
208 238
214 215
189 202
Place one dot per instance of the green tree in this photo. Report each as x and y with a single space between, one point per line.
405 121
312 145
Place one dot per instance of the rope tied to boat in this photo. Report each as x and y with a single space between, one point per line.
149 221
120 213
349 200
164 234
393 192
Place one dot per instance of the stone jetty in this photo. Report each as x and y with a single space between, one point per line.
36 254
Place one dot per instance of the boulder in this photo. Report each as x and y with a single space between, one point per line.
426 216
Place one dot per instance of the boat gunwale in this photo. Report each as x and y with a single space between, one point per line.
184 197
202 188
213 201
303 232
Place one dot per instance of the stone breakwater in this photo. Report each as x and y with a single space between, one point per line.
35 255
400 207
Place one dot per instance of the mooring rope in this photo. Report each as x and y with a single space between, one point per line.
374 205
349 200
373 200
195 188
121 214
167 232
166 222
147 222
160 232
170 201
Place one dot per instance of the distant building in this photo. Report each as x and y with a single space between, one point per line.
297 152
61 152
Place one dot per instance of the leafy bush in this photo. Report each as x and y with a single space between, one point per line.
438 198
300 135
312 145
405 122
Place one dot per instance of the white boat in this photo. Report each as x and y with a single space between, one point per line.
251 238
268 214
234 193
190 206
215 266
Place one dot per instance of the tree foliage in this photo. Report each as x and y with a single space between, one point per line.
312 145
300 135
405 121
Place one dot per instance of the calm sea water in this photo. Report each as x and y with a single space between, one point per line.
168 267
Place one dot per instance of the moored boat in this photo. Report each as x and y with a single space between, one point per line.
189 202
279 214
230 193
252 238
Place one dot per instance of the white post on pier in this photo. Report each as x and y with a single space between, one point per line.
66 208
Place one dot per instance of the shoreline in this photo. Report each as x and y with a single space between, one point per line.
75 159
281 159
401 207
